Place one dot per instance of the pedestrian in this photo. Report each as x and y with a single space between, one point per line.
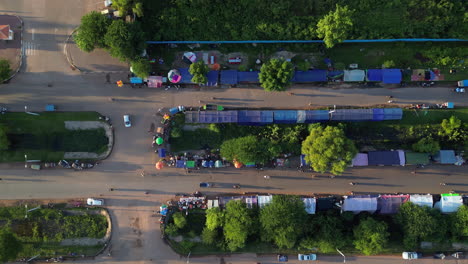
142 173
413 172
266 177
352 183
291 93
443 183
313 176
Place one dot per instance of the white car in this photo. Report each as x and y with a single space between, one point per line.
95 202
127 121
306 256
411 255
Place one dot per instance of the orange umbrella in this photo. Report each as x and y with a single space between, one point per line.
216 67
159 165
237 164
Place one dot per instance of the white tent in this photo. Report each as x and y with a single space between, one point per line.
422 200
354 76
360 203
264 200
449 203
309 204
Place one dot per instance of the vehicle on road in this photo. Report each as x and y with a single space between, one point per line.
213 107
439 255
282 258
95 202
411 255
127 122
205 184
306 257
463 83
50 108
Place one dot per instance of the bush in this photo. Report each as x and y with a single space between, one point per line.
303 65
171 230
340 66
388 64
4 70
176 132
242 68
179 220
210 237
426 145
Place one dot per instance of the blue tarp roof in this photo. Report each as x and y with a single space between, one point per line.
310 76
351 114
378 114
391 75
285 116
354 76
335 74
229 77
248 76
393 113
383 158
247 117
313 116
136 80
212 78
208 117
186 76
227 116
445 157
374 75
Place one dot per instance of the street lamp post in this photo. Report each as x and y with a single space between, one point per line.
188 257
25 108
25 161
341 253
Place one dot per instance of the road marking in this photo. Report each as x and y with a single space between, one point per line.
32 32
29 48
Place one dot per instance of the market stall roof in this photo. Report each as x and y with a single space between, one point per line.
310 76
212 78
393 113
354 76
414 158
309 204
445 157
312 116
223 200
190 164
335 74
250 201
360 203
208 117
360 159
351 114
391 75
401 156
422 200
227 116
390 204
251 117
325 203
264 200
155 81
136 80
383 158
449 203
191 117
248 77
285 116
186 77
229 77
374 75
378 114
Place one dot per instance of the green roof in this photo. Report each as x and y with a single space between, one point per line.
414 158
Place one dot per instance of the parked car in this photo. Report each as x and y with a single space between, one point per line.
439 255
127 122
282 258
95 202
411 255
205 184
306 256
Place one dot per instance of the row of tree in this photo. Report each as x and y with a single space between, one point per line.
285 223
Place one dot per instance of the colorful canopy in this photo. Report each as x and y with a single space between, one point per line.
159 141
174 76
159 165
238 165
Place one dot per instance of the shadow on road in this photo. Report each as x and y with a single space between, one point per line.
237 99
24 180
380 184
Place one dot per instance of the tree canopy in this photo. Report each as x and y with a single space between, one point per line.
10 246
214 218
282 220
335 26
328 149
4 141
276 75
199 70
238 224
453 129
90 33
179 220
128 7
249 149
125 41
426 145
4 69
460 223
371 236
141 67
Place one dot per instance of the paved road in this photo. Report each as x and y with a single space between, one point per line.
47 78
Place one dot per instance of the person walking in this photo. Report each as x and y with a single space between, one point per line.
142 173
266 177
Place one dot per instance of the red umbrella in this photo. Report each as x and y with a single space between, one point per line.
159 165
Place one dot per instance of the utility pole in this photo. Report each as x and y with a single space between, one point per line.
341 253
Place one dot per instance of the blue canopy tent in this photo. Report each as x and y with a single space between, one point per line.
374 75
208 117
285 116
162 152
391 75
227 116
180 164
393 113
136 80
229 77
248 77
310 76
383 158
186 76
378 114
354 76
212 78
351 115
445 157
246 117
312 116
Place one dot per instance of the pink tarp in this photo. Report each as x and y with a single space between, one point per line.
360 160
155 81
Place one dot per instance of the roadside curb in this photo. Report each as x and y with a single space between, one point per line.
21 49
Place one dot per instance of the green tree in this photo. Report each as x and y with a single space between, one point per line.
371 236
328 149
125 41
141 67
248 149
129 7
179 220
4 141
238 224
10 246
214 218
4 69
276 75
417 224
328 232
209 237
199 70
459 221
283 220
91 32
452 129
335 26
426 145
388 64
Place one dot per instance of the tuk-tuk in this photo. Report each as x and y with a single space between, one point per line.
50 108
